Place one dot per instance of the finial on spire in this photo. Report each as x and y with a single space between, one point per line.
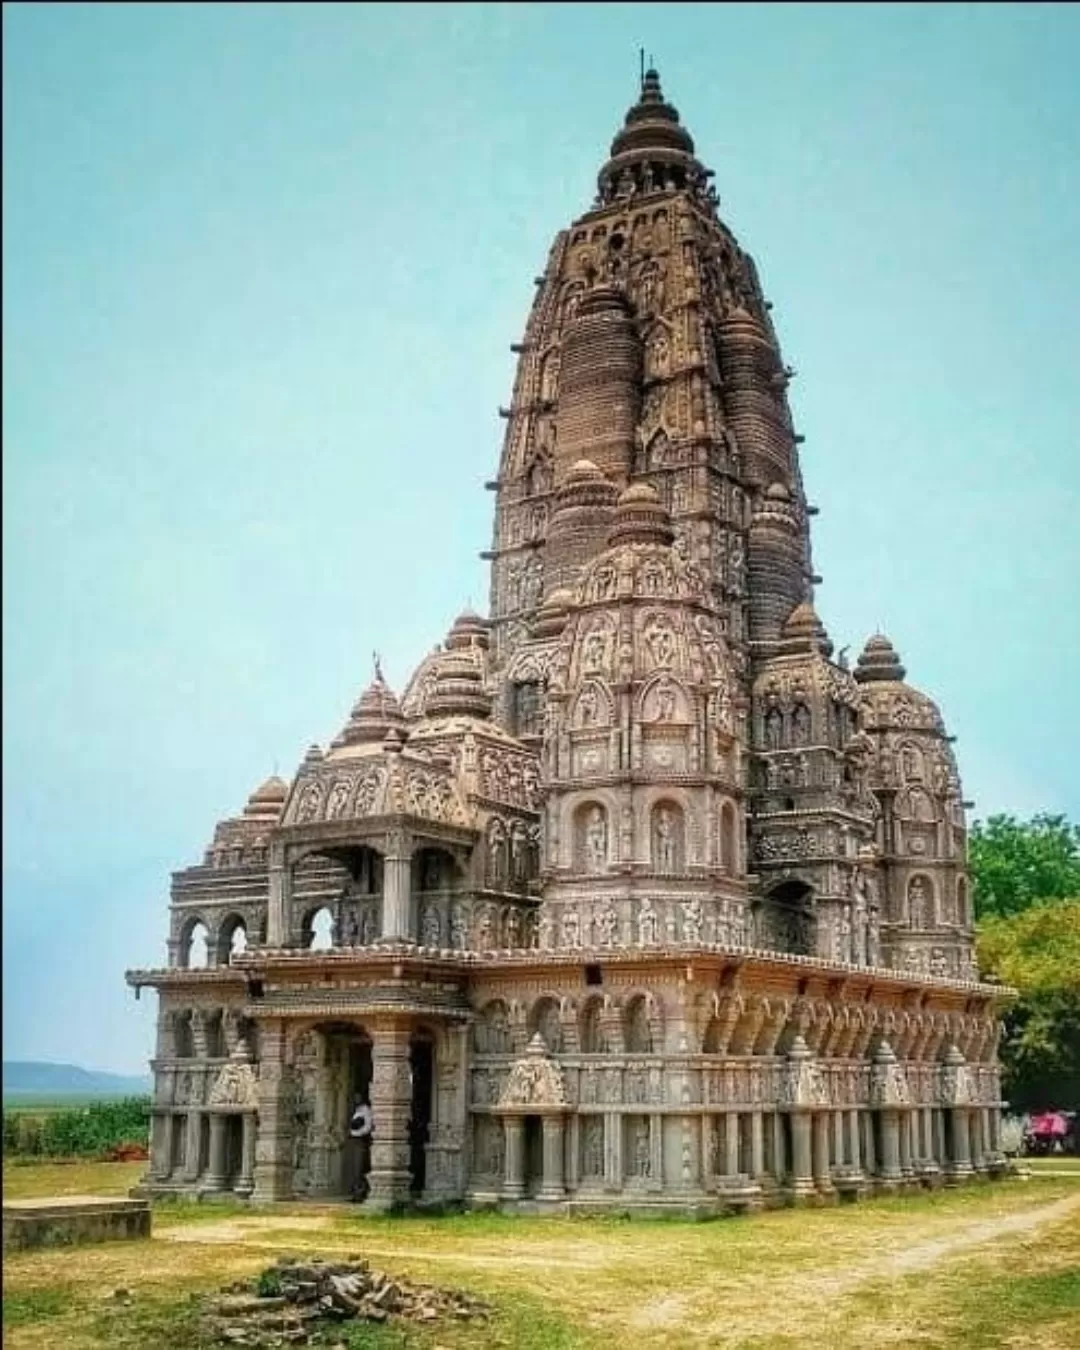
641 78
377 660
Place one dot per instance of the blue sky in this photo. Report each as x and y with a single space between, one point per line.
262 269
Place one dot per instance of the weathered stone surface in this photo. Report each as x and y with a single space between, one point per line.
69 1220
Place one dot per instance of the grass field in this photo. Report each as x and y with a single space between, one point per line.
982 1267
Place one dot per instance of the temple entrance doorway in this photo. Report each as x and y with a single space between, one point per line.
339 1163
534 1155
422 1071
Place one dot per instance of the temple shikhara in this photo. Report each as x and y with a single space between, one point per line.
637 895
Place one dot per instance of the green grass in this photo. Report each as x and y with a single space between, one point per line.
1055 1163
784 1280
27 1306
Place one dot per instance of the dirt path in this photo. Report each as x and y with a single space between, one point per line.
813 1287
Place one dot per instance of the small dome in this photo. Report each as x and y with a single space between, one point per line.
374 713
879 661
803 629
641 517
266 801
459 688
468 629
652 123
583 470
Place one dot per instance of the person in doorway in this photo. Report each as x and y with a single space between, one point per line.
361 1128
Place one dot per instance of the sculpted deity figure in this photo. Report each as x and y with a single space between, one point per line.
571 929
545 929
457 928
692 920
309 803
665 840
800 724
661 643
485 931
642 1159
665 702
607 924
596 847
595 652
588 707
593 1146
917 915
911 763
647 923
339 799
774 728
430 928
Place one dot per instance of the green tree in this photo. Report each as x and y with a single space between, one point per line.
1037 951
1015 863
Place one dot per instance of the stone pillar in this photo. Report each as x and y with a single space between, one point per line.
613 1141
215 1172
160 1146
245 1182
822 1177
869 1155
838 1138
890 1146
273 1144
397 923
391 1104
513 1187
192 1143
778 1162
731 1144
552 1186
277 913
802 1174
960 1161
757 1146
854 1129
905 1118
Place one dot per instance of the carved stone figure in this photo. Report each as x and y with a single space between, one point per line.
647 923
664 845
596 846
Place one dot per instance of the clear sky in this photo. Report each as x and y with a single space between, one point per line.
262 269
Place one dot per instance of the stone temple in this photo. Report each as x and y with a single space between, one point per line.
636 895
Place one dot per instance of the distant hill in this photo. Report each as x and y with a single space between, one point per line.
32 1078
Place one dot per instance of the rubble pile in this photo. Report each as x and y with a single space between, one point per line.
296 1302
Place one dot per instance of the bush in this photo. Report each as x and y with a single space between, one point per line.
79 1132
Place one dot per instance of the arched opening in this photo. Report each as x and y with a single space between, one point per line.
668 834
591 837
183 1036
333 1151
436 877
545 1020
729 839
195 945
422 1072
491 1034
214 1032
637 1031
318 934
232 938
784 920
360 906
591 1030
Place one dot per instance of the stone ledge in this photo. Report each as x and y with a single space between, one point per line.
68 1220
